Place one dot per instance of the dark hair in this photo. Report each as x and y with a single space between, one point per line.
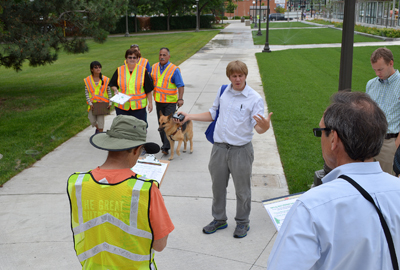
96 64
384 53
132 51
164 48
360 124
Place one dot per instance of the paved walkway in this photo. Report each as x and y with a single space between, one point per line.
34 212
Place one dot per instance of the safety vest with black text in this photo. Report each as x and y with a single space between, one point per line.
110 223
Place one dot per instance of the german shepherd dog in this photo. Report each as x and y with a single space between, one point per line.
176 132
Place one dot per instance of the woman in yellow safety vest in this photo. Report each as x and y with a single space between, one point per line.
132 79
97 90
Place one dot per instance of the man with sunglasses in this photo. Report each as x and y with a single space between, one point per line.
333 226
168 90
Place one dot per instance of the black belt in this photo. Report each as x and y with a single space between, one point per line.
391 135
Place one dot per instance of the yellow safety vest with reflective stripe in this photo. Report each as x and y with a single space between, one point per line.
132 85
164 90
97 93
110 223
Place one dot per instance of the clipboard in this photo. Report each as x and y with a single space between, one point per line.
277 208
151 168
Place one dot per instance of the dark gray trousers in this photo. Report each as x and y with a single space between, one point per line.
237 161
165 109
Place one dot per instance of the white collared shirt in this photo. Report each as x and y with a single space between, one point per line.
235 121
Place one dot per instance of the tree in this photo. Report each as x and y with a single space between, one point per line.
35 30
230 8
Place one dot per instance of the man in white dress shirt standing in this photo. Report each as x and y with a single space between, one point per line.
241 109
333 226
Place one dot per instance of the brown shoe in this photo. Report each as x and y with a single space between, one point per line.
165 152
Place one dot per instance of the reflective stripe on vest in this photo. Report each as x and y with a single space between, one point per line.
132 85
97 93
109 220
143 62
164 90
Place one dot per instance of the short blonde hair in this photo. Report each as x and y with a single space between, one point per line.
236 67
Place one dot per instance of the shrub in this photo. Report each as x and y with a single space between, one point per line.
181 22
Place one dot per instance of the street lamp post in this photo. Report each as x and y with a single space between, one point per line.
197 15
259 22
126 24
266 47
255 17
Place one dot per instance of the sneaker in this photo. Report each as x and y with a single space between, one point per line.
214 226
241 230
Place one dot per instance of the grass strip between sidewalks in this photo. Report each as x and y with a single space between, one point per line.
298 84
305 36
45 106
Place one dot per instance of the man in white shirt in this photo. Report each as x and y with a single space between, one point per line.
241 110
333 226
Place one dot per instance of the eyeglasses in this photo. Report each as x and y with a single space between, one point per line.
97 67
318 131
135 45
132 57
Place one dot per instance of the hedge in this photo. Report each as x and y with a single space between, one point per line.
182 22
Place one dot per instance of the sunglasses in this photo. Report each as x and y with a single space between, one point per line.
97 67
132 57
135 45
318 131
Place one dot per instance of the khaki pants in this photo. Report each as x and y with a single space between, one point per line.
96 120
386 155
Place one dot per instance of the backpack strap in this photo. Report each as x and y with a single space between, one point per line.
385 227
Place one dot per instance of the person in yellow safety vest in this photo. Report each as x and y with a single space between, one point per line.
142 61
97 90
118 218
168 90
132 79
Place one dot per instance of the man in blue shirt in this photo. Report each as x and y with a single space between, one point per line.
168 90
385 90
333 226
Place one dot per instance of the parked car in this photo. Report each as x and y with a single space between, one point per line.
277 17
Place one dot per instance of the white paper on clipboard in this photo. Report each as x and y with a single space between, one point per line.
151 168
120 98
278 208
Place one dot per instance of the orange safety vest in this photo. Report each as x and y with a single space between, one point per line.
164 90
143 62
132 85
97 93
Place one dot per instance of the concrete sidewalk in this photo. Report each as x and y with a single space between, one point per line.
34 213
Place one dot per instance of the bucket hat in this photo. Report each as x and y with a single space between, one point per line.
126 132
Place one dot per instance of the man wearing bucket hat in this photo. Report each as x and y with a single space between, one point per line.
118 218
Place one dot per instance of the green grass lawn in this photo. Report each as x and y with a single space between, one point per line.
298 84
306 36
283 25
43 107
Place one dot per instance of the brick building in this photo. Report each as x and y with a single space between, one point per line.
245 7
